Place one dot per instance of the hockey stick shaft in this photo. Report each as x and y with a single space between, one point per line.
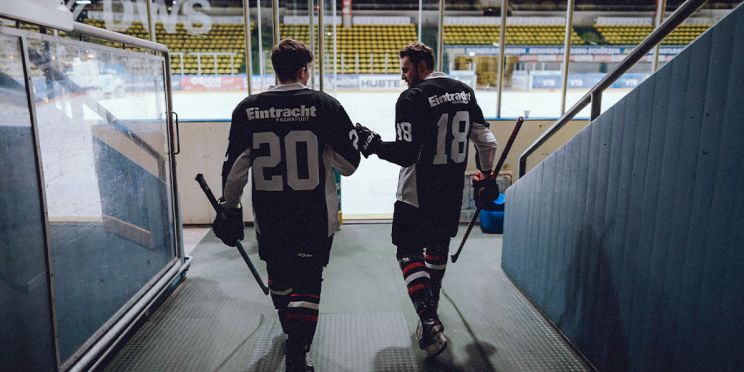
212 200
495 173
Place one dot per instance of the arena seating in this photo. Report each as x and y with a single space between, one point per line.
373 48
225 42
634 34
515 35
362 48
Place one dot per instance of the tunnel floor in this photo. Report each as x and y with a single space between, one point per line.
219 319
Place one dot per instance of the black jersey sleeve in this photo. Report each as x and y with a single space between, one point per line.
408 139
238 141
342 138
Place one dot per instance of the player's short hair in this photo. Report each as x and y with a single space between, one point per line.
418 52
288 57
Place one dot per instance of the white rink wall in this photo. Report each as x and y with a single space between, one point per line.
370 192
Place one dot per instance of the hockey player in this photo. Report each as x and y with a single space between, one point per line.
434 120
289 138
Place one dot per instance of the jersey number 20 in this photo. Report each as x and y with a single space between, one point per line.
291 143
459 126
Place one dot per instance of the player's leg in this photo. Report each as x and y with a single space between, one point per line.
410 249
445 218
408 240
417 280
281 289
304 303
280 276
436 257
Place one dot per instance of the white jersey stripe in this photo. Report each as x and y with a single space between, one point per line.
436 267
485 142
305 304
330 190
407 187
340 163
414 276
237 179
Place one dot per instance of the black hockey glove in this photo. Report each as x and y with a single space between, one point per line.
368 140
230 228
485 190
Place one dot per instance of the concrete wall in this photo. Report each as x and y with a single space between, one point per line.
629 237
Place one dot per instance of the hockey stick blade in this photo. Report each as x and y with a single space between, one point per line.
495 173
212 200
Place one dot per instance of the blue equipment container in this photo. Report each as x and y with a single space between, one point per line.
492 218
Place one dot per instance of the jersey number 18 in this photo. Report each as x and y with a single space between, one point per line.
459 127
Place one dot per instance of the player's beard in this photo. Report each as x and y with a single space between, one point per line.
415 81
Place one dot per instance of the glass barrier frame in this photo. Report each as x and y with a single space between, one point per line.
20 36
102 341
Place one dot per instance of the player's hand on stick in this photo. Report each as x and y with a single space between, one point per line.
228 226
485 189
368 140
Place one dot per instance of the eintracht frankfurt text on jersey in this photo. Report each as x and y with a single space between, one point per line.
302 113
453 98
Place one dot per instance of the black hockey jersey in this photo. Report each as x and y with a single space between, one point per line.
434 122
290 138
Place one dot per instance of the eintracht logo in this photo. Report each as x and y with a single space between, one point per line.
453 98
302 113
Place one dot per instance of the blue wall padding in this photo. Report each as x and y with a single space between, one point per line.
629 237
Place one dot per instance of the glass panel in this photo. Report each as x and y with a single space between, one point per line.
368 85
334 23
25 313
262 42
103 138
533 54
207 48
710 13
607 39
295 20
471 52
126 17
610 38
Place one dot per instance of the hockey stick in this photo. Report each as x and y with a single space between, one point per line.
218 209
495 173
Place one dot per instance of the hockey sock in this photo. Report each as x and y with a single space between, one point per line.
436 264
418 284
302 317
304 302
280 295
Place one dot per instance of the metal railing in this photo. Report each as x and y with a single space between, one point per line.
87 30
594 96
